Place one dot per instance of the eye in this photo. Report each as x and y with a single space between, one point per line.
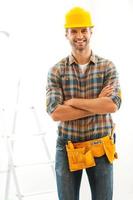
73 31
85 30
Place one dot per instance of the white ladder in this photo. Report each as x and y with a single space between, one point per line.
10 140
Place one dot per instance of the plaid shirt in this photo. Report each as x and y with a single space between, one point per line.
66 81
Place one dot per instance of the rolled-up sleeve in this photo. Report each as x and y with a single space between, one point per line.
54 95
111 78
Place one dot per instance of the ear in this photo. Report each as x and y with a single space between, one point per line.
66 35
91 30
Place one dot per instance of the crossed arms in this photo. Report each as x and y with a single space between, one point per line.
75 108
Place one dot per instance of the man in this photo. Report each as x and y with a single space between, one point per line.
82 91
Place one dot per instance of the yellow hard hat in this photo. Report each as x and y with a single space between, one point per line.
78 17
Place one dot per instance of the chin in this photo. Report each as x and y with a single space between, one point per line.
80 48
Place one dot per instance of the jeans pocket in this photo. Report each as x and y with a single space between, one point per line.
60 147
60 144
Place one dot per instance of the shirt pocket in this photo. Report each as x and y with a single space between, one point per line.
94 84
70 86
97 78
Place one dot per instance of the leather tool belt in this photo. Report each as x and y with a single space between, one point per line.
82 155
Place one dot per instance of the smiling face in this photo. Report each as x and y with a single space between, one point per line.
79 38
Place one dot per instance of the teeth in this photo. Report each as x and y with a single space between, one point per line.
80 41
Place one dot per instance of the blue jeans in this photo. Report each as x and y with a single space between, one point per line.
100 177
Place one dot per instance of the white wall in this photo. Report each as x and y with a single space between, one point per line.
36 43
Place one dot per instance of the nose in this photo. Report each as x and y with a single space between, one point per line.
79 35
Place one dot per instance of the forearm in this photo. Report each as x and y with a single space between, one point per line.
69 113
101 105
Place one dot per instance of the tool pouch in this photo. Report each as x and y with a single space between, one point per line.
109 148
81 155
79 158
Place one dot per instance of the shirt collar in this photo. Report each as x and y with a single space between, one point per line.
73 60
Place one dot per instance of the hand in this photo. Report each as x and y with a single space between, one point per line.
106 91
68 102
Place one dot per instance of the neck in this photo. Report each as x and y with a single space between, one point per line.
82 57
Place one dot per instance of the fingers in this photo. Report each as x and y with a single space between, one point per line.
67 102
106 91
108 87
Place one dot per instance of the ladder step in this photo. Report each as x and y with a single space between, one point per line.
34 164
38 193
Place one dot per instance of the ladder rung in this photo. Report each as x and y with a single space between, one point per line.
13 136
4 171
38 193
33 164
